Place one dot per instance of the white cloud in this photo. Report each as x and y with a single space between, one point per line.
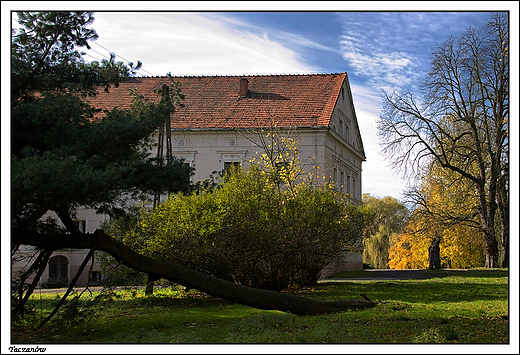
288 39
192 44
386 70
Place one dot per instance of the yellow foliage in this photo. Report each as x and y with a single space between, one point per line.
408 251
462 247
448 213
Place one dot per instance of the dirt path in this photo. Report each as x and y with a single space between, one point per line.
409 274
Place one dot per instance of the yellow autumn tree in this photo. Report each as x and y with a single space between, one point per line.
409 249
462 247
447 211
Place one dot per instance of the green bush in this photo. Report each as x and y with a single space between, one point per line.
252 231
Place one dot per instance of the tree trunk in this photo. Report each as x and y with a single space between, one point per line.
504 260
434 255
503 211
487 210
149 284
261 299
149 288
491 251
491 247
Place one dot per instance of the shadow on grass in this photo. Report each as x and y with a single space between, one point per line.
421 286
119 305
426 291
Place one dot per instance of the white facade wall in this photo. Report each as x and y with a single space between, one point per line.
208 151
88 221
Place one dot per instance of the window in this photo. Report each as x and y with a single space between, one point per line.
228 165
181 142
348 184
59 269
340 128
81 226
342 180
232 142
95 277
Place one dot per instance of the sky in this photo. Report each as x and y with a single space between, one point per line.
379 49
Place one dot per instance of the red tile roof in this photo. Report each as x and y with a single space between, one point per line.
214 101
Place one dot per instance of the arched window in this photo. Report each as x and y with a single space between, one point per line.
59 269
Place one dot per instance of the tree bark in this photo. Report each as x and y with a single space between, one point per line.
503 210
257 298
487 210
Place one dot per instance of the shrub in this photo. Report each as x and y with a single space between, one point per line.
251 231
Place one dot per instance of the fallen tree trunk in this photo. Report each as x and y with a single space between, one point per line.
257 298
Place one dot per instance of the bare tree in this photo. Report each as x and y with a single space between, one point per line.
460 122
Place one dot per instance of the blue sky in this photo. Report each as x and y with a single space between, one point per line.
378 49
388 50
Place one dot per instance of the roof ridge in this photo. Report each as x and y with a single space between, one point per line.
241 75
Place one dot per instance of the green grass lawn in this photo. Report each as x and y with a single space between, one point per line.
449 307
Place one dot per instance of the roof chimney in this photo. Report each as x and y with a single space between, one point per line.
243 87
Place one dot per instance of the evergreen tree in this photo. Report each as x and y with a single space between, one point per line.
64 153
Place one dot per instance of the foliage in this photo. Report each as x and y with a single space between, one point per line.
386 217
277 157
250 231
446 210
267 227
64 152
460 246
123 229
375 248
409 251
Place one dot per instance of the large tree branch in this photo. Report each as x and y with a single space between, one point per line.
262 299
